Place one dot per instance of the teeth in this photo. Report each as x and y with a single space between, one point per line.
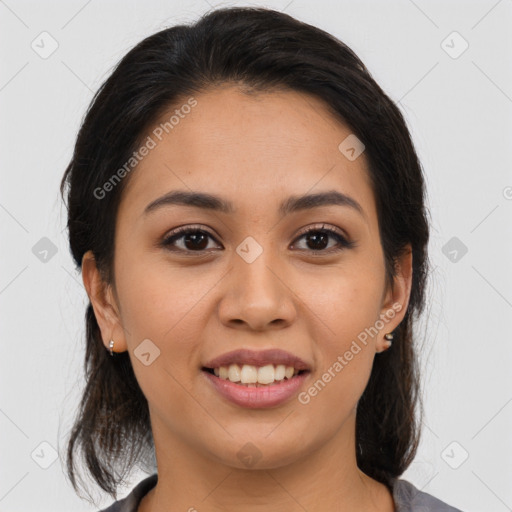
248 374
254 375
266 374
234 372
280 372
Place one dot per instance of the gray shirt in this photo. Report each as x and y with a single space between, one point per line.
406 496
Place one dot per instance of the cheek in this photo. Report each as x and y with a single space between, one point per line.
345 356
346 308
346 300
157 296
167 307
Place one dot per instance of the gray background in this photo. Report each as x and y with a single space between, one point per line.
459 109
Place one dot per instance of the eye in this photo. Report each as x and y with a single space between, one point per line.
194 239
318 237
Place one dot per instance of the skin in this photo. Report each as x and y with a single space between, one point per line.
256 151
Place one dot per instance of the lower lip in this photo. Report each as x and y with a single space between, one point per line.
257 398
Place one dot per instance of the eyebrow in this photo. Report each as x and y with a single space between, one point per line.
291 205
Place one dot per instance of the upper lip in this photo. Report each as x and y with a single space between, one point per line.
258 358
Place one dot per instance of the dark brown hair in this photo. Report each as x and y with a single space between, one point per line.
259 49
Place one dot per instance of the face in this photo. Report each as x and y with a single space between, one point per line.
250 278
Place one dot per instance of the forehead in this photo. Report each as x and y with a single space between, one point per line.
248 147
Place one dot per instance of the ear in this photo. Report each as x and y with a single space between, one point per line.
396 297
104 304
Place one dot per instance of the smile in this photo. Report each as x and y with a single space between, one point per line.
254 376
256 395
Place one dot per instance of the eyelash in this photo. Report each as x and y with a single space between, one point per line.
178 233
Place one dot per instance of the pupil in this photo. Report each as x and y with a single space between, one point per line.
194 237
319 240
315 237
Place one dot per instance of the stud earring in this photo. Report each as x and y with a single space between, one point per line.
389 340
111 347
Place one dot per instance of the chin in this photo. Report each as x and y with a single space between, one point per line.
259 451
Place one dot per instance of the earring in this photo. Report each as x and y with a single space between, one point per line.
389 339
111 347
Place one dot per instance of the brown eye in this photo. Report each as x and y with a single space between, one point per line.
317 240
193 239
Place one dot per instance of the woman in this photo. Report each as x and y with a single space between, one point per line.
259 368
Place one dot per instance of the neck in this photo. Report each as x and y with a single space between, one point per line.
327 480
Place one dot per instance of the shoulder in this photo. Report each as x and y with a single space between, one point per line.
131 502
405 495
407 498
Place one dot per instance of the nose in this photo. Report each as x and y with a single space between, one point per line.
258 297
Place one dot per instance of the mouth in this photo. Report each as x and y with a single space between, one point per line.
257 379
256 387
252 376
